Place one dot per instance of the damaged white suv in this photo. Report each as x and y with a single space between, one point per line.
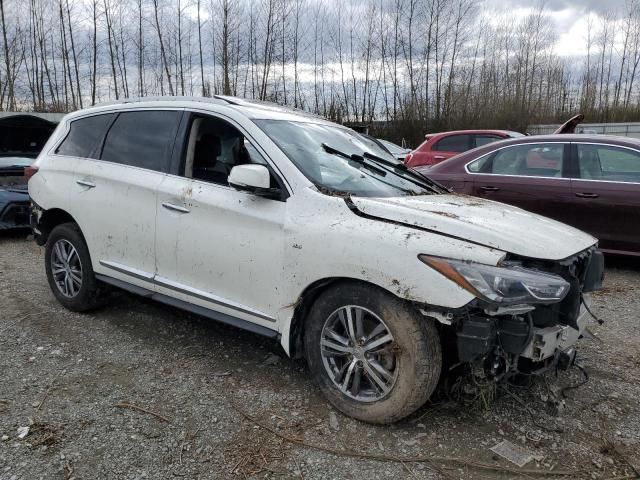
302 230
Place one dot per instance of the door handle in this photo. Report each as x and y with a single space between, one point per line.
587 195
489 188
439 157
86 183
177 208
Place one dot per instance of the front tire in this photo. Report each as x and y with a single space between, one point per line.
373 355
69 270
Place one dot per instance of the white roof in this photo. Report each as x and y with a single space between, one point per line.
250 108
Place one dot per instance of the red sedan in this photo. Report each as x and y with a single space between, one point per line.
589 182
440 146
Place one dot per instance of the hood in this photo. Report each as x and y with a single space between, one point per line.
15 162
484 222
570 125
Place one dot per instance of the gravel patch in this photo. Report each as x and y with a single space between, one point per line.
139 390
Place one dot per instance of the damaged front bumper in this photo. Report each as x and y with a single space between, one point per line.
548 341
529 338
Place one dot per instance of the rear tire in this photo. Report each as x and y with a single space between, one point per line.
389 340
69 270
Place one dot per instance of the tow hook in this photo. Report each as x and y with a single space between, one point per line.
566 358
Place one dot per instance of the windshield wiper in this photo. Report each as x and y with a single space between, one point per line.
431 184
354 158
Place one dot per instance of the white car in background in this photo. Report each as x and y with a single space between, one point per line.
400 153
302 230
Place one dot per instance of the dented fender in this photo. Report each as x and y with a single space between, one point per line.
327 240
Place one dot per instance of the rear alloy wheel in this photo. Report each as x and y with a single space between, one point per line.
69 270
66 268
372 354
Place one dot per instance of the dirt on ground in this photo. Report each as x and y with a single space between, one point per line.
140 390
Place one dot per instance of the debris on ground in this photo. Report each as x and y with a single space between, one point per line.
159 363
514 453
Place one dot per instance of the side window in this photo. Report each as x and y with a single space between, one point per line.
84 137
214 147
482 140
481 164
142 139
536 160
607 162
453 143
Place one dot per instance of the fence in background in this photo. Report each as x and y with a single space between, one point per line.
620 129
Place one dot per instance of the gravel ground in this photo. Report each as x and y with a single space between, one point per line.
140 390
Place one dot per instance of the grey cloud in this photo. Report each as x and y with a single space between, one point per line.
584 6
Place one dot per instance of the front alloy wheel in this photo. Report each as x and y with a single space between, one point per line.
373 355
358 353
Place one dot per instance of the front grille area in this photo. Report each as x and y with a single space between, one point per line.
574 270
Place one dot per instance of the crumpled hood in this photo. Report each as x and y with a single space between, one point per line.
489 223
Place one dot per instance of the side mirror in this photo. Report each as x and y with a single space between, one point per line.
253 178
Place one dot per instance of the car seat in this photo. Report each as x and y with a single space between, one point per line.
205 160
589 164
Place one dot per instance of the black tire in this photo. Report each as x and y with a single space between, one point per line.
416 346
90 294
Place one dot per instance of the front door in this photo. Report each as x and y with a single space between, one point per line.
607 195
529 176
218 247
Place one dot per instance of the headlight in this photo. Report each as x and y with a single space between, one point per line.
501 285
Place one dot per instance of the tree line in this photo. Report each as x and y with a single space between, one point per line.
406 67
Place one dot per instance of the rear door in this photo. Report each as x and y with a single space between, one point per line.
482 139
606 187
115 188
531 176
450 146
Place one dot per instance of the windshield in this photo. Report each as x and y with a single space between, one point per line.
318 151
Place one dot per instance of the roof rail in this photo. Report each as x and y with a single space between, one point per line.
266 105
167 98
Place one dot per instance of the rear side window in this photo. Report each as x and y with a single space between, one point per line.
607 162
482 140
537 160
453 143
142 139
85 134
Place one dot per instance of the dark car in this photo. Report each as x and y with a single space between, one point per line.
21 139
589 182
14 208
14 197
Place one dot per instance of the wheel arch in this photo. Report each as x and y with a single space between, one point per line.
305 302
48 220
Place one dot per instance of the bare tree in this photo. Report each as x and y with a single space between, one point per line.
10 79
162 49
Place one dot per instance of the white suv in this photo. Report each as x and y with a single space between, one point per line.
302 230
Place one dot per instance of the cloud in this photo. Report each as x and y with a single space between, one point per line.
582 6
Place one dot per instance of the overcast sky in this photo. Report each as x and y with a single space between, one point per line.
569 16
